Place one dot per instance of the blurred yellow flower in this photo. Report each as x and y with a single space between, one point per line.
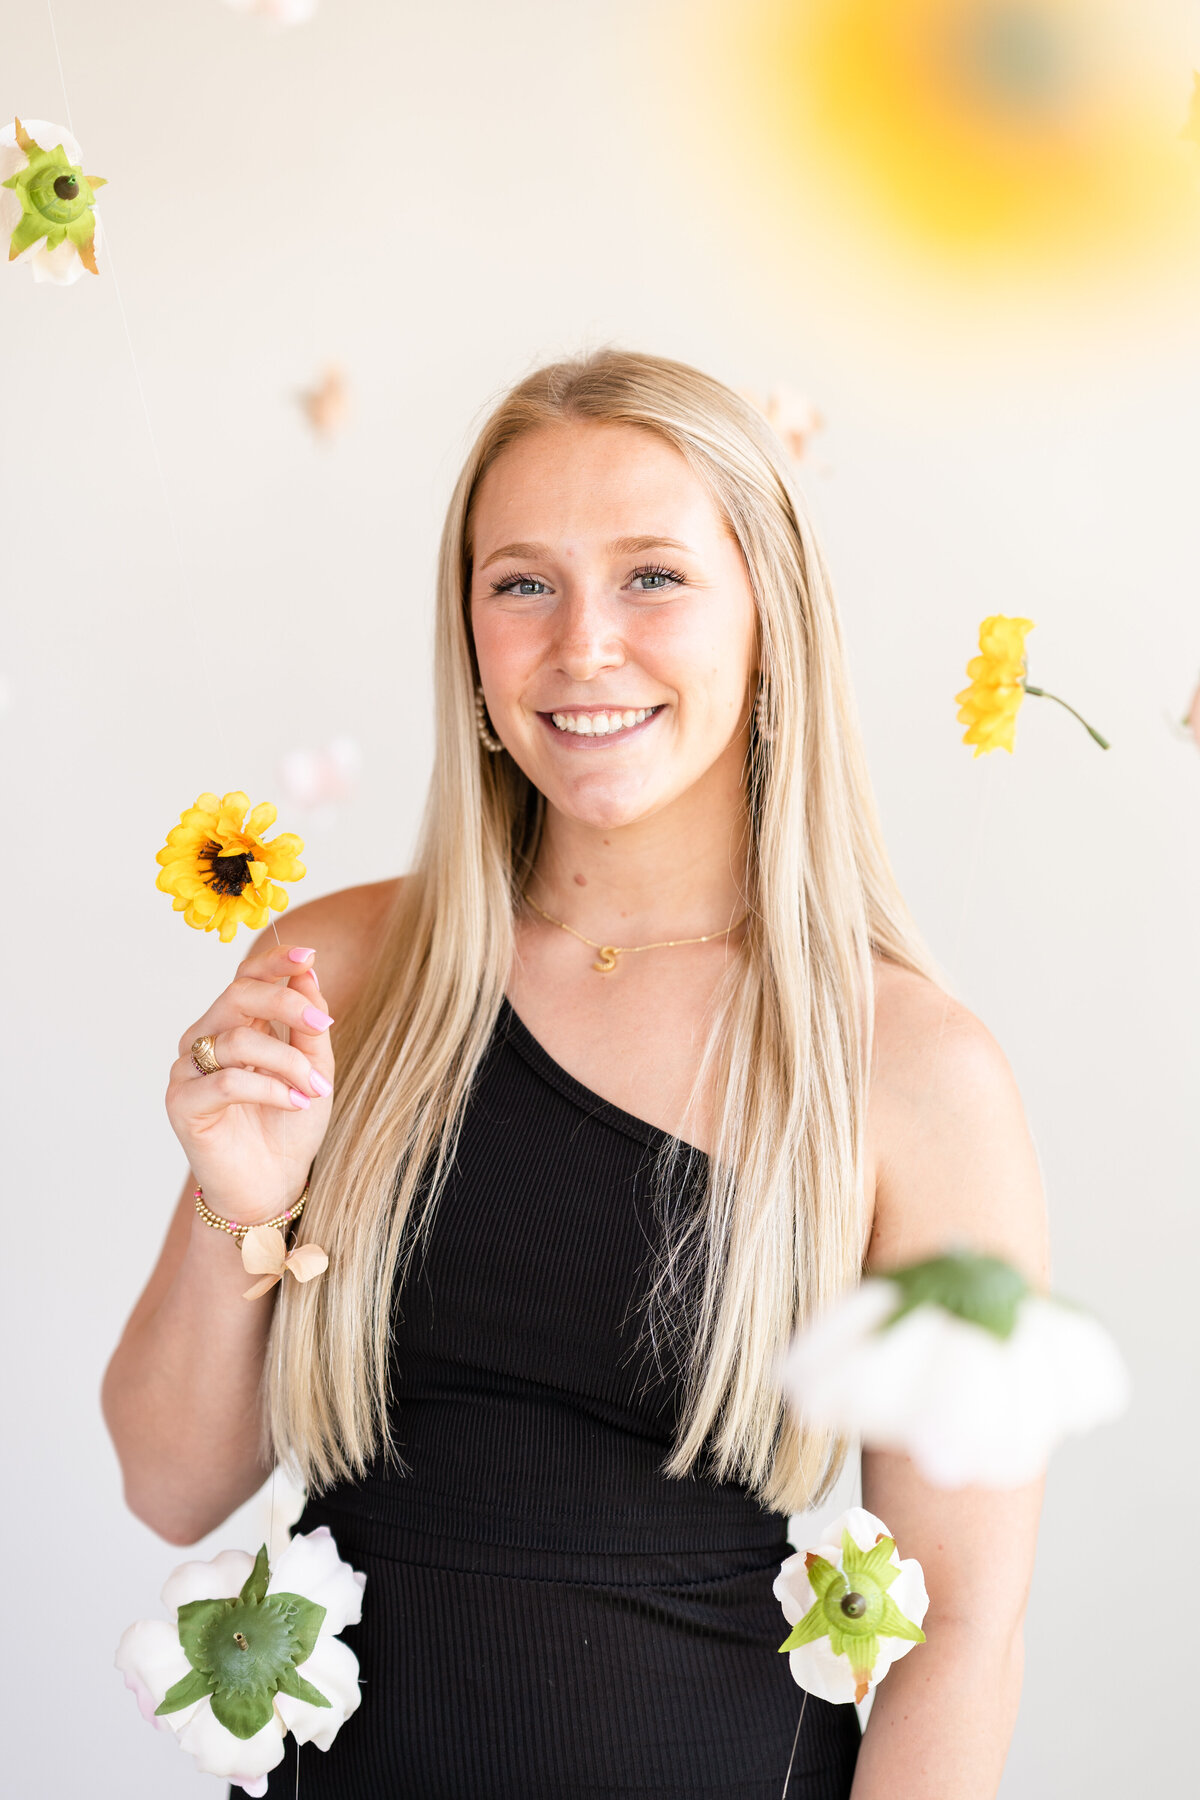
999 133
218 869
989 707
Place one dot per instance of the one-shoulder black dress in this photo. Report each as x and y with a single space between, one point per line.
547 1615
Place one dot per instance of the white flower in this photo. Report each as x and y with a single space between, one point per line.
320 779
854 1607
153 1660
35 210
977 1378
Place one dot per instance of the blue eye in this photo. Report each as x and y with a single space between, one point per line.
657 579
525 587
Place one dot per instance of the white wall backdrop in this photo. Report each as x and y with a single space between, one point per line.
439 197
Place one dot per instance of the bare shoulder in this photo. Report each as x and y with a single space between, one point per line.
344 929
924 1035
949 1144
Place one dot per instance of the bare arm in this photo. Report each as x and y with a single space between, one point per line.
181 1392
955 1162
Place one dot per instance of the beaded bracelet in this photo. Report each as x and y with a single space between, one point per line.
238 1232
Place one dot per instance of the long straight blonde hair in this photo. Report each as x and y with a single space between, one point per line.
779 1227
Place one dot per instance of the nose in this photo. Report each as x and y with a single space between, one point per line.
587 640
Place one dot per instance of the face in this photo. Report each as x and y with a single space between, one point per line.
614 623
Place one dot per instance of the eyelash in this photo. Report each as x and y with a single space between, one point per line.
673 575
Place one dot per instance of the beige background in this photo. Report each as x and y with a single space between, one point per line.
440 197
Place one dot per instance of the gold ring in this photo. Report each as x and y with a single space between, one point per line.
204 1056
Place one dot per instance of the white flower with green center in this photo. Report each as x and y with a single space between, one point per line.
958 1363
854 1607
48 211
252 1653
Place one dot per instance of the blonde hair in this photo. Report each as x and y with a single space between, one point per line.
780 1228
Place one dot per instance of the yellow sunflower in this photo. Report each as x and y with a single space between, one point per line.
989 707
218 869
1027 135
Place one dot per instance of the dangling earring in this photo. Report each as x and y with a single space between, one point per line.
760 713
489 742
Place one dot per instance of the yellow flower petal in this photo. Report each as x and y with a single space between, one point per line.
214 828
990 705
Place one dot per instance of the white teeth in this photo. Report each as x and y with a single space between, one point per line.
599 724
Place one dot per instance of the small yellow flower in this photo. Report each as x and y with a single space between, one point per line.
218 868
999 683
989 707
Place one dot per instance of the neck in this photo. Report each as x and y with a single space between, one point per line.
679 873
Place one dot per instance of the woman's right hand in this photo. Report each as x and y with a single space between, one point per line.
252 1128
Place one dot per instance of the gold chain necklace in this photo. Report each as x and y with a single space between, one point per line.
607 959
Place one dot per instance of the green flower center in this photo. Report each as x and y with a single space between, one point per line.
227 874
1014 55
248 1648
59 195
981 1289
855 1611
244 1651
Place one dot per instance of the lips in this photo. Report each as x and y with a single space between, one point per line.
599 721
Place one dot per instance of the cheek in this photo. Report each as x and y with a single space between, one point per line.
706 659
504 645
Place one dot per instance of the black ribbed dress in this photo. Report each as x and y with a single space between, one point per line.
547 1615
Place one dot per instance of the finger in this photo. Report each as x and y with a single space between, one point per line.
269 961
248 998
248 1048
309 1032
207 1099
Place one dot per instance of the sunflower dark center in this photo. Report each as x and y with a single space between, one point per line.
227 874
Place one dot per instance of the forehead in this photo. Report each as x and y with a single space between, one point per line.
576 481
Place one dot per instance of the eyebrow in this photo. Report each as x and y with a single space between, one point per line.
627 546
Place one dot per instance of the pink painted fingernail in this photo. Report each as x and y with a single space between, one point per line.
297 1098
298 953
319 1082
317 1019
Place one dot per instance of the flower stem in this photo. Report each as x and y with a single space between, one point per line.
1103 742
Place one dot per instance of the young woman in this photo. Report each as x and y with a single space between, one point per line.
633 1074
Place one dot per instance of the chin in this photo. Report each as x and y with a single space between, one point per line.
602 805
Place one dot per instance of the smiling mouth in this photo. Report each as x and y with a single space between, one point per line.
601 723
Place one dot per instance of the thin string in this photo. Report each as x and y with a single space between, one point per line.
795 1741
